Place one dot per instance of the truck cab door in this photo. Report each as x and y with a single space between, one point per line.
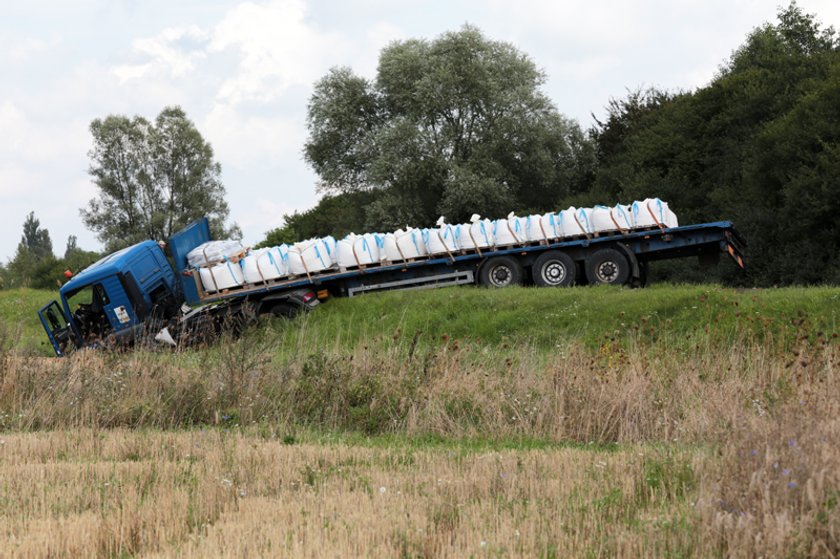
57 327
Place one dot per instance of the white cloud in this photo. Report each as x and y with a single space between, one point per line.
278 49
24 50
173 52
14 126
242 140
267 214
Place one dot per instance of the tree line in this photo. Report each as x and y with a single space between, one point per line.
460 125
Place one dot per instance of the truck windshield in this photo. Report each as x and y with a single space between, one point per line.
87 305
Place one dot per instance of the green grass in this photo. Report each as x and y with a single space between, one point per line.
542 319
19 313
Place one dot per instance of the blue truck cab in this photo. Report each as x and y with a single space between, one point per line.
112 299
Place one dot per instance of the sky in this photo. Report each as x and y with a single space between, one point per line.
244 71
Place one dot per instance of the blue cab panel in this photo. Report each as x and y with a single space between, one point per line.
121 288
181 243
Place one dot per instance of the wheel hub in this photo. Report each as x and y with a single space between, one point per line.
554 273
501 276
607 271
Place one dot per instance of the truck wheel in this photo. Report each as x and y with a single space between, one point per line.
283 310
607 266
500 271
554 269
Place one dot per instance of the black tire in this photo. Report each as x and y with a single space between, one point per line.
501 271
554 269
283 310
607 266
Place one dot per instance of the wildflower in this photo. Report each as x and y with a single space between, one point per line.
483 543
382 490
786 472
792 442
792 485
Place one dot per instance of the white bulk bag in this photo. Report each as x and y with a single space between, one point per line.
329 244
309 256
569 222
534 229
551 225
250 268
410 243
379 240
583 216
390 252
510 231
223 275
344 251
265 264
601 219
623 216
441 239
462 236
653 212
476 234
357 250
669 216
213 252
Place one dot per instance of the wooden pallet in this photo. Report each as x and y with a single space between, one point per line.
358 267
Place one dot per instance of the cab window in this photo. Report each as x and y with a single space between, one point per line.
88 307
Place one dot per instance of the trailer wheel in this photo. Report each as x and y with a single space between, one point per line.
283 310
554 269
607 266
500 271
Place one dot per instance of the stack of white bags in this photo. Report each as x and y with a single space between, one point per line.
227 264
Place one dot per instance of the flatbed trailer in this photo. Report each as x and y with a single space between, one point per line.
136 291
706 240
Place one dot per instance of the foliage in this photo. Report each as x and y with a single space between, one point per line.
33 256
34 264
447 121
334 215
759 145
153 179
35 240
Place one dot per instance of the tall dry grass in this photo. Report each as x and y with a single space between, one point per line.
625 392
728 450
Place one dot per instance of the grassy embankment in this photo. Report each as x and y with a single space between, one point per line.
673 420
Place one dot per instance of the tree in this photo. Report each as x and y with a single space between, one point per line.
334 215
758 145
153 179
35 241
72 246
458 119
33 251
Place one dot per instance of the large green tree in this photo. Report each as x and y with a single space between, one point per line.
759 145
450 126
153 179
